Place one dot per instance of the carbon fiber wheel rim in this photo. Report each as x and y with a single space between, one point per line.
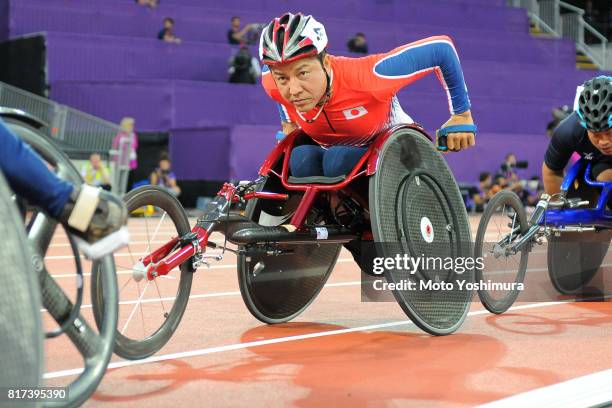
574 259
278 288
413 192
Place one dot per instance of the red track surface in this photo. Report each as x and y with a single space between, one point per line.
348 359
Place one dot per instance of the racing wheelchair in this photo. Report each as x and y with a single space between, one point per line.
23 293
576 223
401 195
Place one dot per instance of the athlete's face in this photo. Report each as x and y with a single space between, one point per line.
302 82
602 141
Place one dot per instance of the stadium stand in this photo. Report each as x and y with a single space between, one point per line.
514 79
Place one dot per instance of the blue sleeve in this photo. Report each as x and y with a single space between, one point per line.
29 176
284 115
412 61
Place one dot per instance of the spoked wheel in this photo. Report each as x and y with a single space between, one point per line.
96 348
149 310
417 212
504 213
278 288
21 333
575 258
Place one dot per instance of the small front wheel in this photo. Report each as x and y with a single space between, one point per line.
501 272
149 310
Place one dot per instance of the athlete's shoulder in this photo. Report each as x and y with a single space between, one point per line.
269 85
353 72
570 130
266 80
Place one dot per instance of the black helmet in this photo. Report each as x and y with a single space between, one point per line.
595 104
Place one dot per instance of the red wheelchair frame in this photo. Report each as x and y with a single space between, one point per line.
181 249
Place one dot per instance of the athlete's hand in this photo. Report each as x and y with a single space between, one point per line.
460 141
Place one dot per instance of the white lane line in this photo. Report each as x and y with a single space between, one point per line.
259 343
587 391
211 295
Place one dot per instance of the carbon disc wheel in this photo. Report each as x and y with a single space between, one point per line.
417 212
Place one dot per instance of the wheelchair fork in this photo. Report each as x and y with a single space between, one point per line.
534 226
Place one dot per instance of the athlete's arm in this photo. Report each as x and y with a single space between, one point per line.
552 179
560 149
460 141
153 179
288 127
406 64
287 124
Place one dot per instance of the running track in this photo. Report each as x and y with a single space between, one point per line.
342 352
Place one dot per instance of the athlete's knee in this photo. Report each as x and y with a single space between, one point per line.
605 175
340 160
306 161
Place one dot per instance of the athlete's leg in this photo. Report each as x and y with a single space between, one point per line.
90 213
28 175
340 160
601 170
306 161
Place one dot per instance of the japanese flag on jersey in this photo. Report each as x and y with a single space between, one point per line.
354 113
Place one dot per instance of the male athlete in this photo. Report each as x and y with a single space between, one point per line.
344 103
587 131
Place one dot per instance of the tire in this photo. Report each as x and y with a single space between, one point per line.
135 349
21 333
503 199
416 210
288 284
574 259
96 348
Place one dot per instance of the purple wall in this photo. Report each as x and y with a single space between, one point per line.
4 20
250 145
105 60
490 151
382 35
164 105
200 154
121 58
238 152
65 15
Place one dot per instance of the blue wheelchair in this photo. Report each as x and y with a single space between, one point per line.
577 224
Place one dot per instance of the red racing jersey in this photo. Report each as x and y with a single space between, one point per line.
363 100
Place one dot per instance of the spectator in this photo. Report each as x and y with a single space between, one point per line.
507 180
532 191
484 194
164 177
244 67
237 36
358 44
148 3
508 166
123 157
96 173
167 33
254 34
126 134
